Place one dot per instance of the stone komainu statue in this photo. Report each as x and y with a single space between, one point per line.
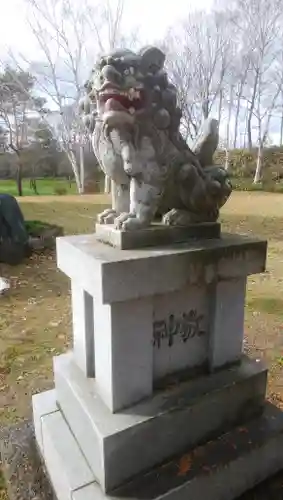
14 245
132 113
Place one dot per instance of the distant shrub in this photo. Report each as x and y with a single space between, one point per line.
60 190
242 164
245 184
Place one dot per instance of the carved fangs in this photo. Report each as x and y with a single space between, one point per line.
130 94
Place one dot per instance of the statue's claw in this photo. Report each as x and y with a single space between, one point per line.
128 222
119 221
177 217
132 224
108 216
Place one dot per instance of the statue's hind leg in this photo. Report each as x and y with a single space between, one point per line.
197 199
179 217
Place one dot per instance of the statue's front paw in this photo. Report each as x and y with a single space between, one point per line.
128 222
108 216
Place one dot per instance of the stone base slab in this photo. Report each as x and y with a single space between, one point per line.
156 235
185 415
220 470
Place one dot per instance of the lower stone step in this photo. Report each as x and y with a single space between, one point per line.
122 445
222 469
64 461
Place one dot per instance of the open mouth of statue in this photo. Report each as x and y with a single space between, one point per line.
114 99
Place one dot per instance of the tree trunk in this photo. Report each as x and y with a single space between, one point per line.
33 185
239 96
82 169
249 131
251 110
205 108
19 175
237 122
220 106
226 166
259 164
281 130
73 161
227 157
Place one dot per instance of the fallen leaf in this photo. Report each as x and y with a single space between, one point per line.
185 465
54 323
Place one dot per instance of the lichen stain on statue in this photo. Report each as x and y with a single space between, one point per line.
131 111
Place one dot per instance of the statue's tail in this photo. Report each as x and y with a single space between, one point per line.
207 142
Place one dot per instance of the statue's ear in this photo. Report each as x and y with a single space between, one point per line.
152 59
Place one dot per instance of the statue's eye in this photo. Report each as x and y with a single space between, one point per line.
129 71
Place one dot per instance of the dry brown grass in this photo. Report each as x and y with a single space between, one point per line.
35 319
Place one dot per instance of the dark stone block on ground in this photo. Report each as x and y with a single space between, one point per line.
13 235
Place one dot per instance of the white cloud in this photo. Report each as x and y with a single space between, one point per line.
153 16
15 33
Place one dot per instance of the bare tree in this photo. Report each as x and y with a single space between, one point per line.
198 62
277 80
17 101
71 37
258 23
239 72
266 103
229 104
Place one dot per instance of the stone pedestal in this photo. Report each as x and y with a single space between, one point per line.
156 370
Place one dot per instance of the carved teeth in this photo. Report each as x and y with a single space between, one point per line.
132 111
134 94
131 94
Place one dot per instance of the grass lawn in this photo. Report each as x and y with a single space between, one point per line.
45 187
35 318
